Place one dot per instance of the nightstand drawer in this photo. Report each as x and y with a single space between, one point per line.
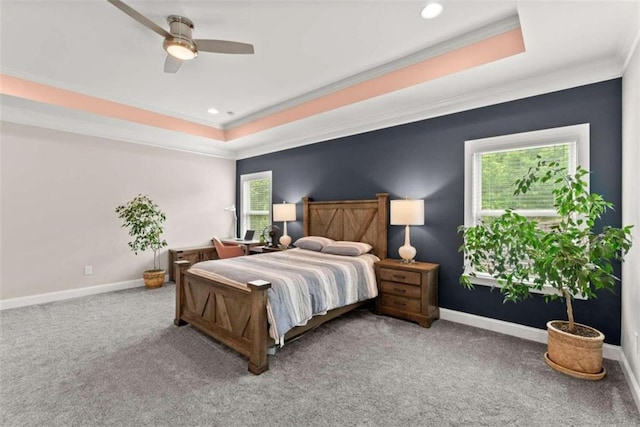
395 288
402 276
400 303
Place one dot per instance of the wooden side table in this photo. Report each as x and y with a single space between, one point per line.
192 254
408 291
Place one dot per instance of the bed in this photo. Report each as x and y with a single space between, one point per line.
236 314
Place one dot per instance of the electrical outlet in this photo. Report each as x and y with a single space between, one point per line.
88 270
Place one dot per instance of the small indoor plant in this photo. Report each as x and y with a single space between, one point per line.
144 220
568 256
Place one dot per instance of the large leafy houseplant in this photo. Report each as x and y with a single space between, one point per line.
569 255
145 220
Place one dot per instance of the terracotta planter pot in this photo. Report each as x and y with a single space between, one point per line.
574 355
153 278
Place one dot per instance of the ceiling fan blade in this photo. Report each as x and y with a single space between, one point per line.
172 64
224 46
140 18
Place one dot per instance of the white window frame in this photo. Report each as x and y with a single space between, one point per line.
578 138
244 198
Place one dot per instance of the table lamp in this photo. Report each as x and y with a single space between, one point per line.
407 212
284 212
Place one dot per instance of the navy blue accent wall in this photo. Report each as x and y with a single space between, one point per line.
426 160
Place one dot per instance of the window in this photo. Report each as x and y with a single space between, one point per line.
255 196
493 164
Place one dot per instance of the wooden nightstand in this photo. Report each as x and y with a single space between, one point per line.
408 291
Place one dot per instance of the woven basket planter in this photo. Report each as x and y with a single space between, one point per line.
574 355
153 278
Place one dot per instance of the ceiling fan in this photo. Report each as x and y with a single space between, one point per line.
178 41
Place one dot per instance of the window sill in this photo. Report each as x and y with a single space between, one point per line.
486 280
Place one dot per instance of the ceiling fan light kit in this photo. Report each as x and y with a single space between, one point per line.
180 49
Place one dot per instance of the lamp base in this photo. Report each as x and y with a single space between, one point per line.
407 253
285 241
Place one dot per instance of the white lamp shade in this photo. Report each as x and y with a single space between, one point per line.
407 212
284 212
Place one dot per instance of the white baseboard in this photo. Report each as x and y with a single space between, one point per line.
609 351
71 293
631 379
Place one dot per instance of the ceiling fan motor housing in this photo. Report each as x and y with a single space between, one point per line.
181 29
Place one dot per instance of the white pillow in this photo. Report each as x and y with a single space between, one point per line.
313 243
347 248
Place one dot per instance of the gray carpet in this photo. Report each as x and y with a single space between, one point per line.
95 361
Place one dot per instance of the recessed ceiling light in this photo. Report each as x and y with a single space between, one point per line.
431 10
212 111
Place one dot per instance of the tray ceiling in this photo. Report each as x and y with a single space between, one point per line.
320 69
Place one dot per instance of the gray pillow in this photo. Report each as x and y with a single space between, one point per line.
347 248
313 243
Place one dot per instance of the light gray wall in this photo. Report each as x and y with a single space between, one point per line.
631 212
59 191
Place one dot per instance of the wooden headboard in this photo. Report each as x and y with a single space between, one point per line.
353 220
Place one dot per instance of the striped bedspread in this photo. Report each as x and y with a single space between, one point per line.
303 283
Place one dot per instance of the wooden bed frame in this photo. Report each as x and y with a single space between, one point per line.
237 315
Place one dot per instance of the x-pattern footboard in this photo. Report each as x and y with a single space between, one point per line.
235 316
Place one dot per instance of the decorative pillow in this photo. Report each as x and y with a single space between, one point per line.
313 243
347 248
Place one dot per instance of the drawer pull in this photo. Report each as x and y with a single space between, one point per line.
398 303
399 276
401 290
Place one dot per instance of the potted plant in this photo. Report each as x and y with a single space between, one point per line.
144 220
568 255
